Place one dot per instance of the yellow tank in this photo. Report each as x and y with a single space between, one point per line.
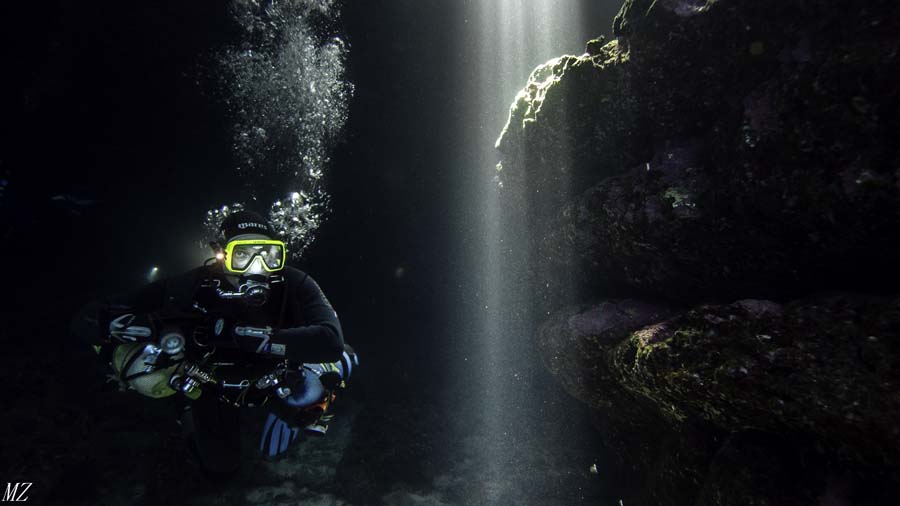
154 384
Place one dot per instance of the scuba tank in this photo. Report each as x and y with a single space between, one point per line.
157 369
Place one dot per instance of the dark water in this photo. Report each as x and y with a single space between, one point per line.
129 127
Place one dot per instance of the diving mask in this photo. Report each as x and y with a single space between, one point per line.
254 256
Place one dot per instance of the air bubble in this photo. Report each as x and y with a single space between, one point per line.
288 97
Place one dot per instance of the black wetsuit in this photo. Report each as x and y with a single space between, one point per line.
304 322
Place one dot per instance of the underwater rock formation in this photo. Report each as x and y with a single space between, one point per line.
750 144
721 151
823 368
678 229
575 344
572 123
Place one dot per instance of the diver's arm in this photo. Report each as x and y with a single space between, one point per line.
320 338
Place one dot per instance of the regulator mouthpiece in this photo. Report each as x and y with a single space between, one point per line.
256 293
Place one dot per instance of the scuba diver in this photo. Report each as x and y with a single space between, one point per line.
242 330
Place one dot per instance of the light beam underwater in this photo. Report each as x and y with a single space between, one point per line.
506 40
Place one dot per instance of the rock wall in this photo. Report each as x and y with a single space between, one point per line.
717 150
721 151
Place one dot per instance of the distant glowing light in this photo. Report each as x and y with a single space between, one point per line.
220 256
154 271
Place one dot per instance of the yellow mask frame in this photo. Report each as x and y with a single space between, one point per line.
270 263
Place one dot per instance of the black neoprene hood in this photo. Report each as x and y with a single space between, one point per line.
245 222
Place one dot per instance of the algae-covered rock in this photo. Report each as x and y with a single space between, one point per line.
669 459
826 366
807 388
574 344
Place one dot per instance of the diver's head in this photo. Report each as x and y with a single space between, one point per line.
244 222
250 255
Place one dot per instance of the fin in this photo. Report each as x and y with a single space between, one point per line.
277 436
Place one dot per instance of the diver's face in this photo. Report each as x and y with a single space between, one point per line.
241 256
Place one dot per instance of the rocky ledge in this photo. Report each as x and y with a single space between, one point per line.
716 150
734 163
